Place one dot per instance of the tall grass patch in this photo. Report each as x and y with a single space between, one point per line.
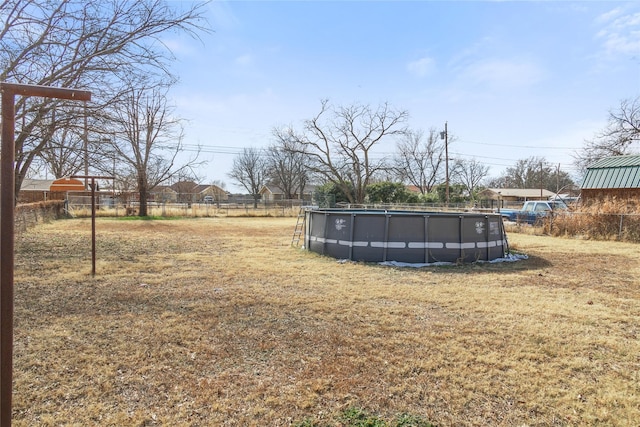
609 219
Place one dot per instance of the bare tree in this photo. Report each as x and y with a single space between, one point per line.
62 154
85 45
469 173
250 171
147 138
420 159
288 164
532 172
340 142
616 139
525 174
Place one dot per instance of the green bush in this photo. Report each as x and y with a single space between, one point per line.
390 192
327 195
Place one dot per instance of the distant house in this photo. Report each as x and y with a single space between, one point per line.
516 194
191 192
218 194
164 194
617 176
271 193
184 191
37 190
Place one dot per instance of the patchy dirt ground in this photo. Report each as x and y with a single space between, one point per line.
219 321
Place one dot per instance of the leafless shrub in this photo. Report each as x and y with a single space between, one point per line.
610 219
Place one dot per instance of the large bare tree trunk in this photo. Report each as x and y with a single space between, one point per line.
144 195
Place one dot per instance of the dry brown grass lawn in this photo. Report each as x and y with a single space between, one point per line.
219 321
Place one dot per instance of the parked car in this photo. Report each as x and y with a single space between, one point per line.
533 211
208 199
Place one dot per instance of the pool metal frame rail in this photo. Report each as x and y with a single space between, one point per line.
405 236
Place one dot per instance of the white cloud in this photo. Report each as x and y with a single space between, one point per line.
609 16
180 47
503 73
421 67
490 63
244 60
622 44
234 104
222 15
620 33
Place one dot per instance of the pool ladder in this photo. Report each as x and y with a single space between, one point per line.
298 232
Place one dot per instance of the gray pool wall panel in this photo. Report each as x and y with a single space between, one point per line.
411 237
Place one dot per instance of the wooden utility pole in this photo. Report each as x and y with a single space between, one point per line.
541 181
445 135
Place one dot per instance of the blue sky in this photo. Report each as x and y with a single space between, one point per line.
513 79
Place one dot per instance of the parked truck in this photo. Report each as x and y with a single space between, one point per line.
533 211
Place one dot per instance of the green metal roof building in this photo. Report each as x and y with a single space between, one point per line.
617 176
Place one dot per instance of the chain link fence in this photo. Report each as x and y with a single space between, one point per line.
79 205
597 226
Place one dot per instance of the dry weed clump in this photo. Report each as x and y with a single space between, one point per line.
194 210
219 321
609 219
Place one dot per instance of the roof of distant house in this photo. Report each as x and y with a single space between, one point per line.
36 184
60 184
521 192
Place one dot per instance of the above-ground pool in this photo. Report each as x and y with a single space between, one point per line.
405 236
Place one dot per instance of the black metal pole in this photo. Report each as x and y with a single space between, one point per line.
93 226
93 215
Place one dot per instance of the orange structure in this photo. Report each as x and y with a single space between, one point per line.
67 184
39 190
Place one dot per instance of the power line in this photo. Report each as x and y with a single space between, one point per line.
511 161
504 161
501 162
516 146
